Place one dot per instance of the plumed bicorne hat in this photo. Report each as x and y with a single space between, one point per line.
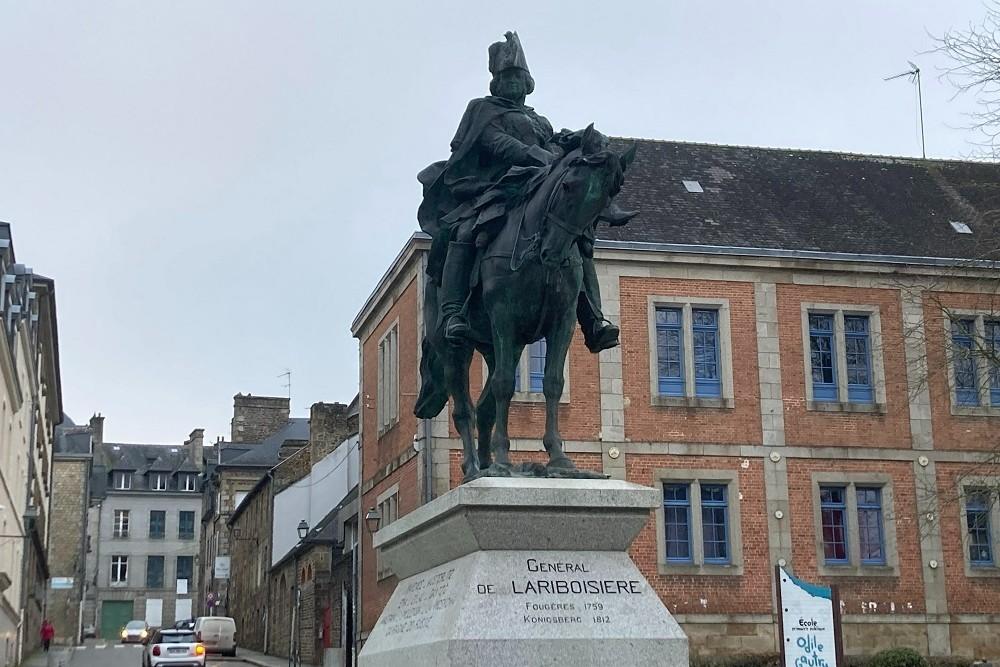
509 55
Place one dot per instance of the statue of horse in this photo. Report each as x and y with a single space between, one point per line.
529 280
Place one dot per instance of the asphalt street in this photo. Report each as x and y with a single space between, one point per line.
107 654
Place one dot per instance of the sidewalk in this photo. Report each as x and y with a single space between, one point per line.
56 657
259 659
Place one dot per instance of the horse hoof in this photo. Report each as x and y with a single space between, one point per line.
497 470
561 462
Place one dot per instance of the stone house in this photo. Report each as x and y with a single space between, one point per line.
262 433
796 376
147 499
30 411
72 466
288 593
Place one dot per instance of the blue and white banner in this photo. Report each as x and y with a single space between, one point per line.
807 615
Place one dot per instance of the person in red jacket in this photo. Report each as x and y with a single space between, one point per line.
47 632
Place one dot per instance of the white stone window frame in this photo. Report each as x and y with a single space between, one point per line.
120 524
118 572
991 485
387 364
387 503
984 409
687 304
125 479
854 567
877 362
698 566
190 483
158 481
522 391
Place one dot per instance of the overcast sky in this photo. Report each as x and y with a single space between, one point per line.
216 187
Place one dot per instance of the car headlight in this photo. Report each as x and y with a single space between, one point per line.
124 634
199 649
143 634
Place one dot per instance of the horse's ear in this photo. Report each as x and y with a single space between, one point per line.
588 139
628 156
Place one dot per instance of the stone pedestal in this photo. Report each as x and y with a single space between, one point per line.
505 571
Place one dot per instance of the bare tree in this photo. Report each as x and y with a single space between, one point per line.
974 67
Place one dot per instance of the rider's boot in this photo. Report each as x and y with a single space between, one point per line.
598 333
455 291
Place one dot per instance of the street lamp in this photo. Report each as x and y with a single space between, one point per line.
303 529
373 520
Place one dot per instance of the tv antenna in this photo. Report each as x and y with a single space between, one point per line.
288 382
914 74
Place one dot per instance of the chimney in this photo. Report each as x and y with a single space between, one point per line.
97 429
329 425
196 445
256 417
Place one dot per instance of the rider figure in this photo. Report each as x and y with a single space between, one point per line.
497 133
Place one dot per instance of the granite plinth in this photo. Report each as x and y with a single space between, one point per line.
523 572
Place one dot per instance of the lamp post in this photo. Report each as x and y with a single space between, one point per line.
303 529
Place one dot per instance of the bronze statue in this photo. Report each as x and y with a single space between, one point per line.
512 215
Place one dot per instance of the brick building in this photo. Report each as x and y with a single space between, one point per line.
799 375
288 592
30 411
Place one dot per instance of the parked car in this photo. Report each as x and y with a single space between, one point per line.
173 648
89 631
217 633
135 632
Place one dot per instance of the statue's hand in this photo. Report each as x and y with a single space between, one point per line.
540 156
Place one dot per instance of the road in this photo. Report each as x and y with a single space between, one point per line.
106 654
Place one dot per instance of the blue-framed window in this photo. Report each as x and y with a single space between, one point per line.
670 351
963 333
715 523
991 330
677 522
833 511
705 331
536 368
822 358
977 518
871 535
857 341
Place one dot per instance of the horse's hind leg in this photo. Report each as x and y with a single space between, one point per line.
457 377
486 415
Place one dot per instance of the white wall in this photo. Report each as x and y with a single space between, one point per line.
314 496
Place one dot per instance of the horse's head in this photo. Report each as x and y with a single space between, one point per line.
593 176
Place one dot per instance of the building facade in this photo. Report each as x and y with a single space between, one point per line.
30 410
805 374
146 542
262 434
72 467
291 593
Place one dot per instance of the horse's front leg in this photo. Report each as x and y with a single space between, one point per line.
556 348
457 378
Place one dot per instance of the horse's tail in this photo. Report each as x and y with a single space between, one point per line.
433 396
433 393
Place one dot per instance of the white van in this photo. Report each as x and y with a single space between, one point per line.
217 634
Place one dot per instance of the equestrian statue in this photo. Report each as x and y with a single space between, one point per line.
512 215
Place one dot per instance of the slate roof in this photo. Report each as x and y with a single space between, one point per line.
265 453
808 201
144 458
72 439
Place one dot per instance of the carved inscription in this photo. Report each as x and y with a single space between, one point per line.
422 600
547 585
